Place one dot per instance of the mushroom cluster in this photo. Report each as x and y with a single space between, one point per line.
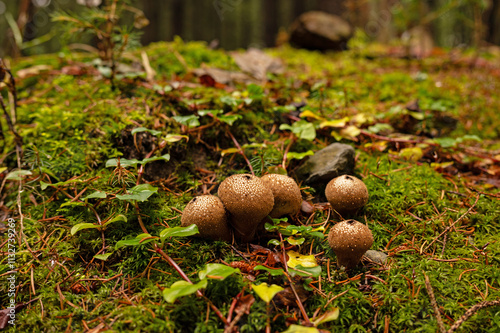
243 201
349 239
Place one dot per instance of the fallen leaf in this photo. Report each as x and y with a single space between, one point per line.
295 259
257 63
266 292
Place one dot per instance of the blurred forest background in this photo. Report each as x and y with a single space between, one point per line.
26 27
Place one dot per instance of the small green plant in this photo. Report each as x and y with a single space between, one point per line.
106 25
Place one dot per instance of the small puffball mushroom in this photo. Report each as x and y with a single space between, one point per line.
286 192
349 240
346 194
209 214
248 201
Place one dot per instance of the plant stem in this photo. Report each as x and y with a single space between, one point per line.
186 278
139 218
299 302
242 152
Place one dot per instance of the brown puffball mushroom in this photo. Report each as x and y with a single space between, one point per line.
209 214
346 194
248 201
349 240
286 192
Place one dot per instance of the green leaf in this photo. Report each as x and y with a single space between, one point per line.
165 158
45 185
301 329
81 226
190 121
417 115
299 156
302 128
18 175
138 193
272 271
295 241
229 119
124 163
104 256
182 288
327 316
316 234
445 142
96 194
274 242
144 129
266 292
179 231
127 163
117 218
212 112
138 240
216 271
228 100
305 271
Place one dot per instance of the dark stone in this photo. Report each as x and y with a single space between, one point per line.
320 31
376 256
332 161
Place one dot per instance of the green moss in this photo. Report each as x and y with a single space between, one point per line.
71 125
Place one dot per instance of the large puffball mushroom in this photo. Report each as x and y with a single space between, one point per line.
209 214
248 202
286 192
346 194
349 240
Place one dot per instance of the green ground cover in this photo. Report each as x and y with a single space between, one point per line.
432 171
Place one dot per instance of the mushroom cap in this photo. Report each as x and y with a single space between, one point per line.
349 240
248 201
346 193
209 214
286 192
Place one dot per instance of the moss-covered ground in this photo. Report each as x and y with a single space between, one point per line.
426 132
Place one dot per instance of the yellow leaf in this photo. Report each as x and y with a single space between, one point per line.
310 114
327 316
350 132
362 118
301 329
296 259
229 151
441 165
266 292
334 123
411 154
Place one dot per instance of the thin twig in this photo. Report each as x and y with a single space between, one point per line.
453 224
299 302
185 277
434 304
470 312
241 151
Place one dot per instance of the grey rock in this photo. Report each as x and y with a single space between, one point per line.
332 161
320 31
376 256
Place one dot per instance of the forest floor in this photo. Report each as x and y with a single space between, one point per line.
107 171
